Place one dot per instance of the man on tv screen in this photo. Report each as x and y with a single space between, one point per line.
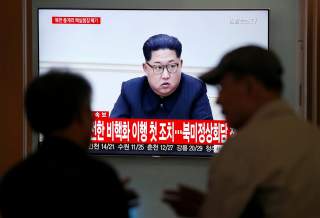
164 92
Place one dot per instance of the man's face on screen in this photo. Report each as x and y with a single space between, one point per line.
163 71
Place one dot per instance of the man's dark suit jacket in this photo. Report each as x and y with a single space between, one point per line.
137 100
61 180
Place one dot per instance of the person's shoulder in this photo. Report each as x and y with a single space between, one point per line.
97 170
190 81
98 166
134 87
135 82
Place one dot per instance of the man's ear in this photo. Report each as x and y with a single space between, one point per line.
145 68
84 112
79 116
252 86
181 62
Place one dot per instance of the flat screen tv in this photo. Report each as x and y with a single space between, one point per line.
105 46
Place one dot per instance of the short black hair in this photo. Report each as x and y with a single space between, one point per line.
252 60
53 101
161 41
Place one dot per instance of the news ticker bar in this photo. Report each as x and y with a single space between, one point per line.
154 149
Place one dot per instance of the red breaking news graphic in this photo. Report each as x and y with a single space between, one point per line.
76 20
155 131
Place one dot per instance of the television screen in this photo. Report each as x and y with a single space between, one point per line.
149 105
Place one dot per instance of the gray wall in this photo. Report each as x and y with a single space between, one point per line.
151 175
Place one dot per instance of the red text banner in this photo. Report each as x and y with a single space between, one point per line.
76 20
155 131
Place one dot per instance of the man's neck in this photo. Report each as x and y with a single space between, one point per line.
71 135
266 99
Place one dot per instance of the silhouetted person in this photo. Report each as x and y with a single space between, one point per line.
271 168
60 179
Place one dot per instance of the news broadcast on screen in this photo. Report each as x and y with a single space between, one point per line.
134 112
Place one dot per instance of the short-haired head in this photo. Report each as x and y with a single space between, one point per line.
161 41
53 101
249 60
